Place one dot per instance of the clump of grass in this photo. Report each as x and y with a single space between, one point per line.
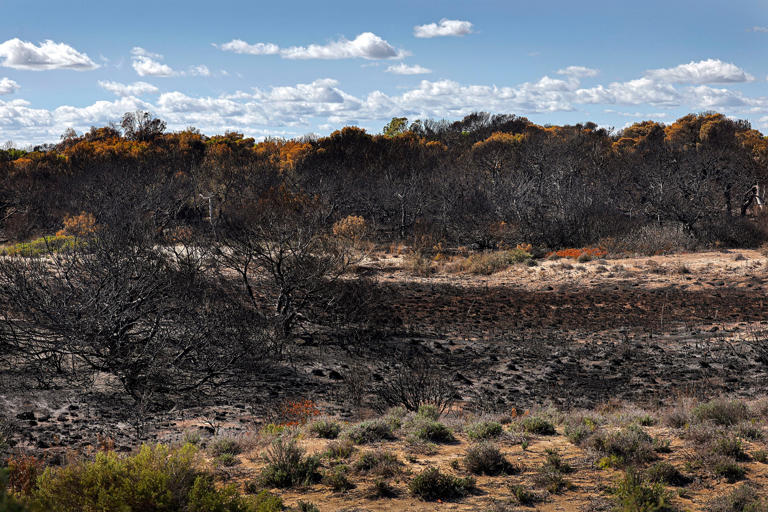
224 445
633 494
722 412
432 485
486 459
227 460
40 246
370 432
287 465
727 468
265 501
325 429
538 425
579 428
484 430
729 446
432 431
523 496
487 263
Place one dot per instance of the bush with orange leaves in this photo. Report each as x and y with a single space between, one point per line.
81 225
352 228
298 412
584 252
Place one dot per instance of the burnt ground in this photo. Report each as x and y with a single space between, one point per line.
562 333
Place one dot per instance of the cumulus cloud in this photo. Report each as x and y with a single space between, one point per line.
444 28
578 71
18 54
240 46
134 89
633 92
8 86
148 64
404 69
365 46
710 71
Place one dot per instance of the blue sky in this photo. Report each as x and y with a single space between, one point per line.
292 68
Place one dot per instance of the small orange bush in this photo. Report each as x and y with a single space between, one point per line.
22 473
594 252
79 225
298 412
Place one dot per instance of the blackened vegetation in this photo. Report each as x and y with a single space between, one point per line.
217 270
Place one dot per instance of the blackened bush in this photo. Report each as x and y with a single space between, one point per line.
432 485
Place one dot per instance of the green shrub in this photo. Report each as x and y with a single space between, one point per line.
336 478
381 489
340 449
486 459
538 425
523 496
579 429
742 499
325 429
635 495
305 506
429 412
484 430
265 501
224 445
761 456
550 474
554 460
426 429
666 473
627 446
287 466
40 246
227 460
370 432
487 263
722 412
432 485
728 468
157 478
382 463
730 446
7 502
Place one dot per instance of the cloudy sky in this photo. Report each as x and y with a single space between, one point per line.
291 68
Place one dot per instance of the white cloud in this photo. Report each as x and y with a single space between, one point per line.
19 54
444 28
365 46
8 86
710 71
147 64
633 92
134 89
578 71
759 29
404 69
240 46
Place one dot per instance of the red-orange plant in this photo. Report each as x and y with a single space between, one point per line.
298 412
594 252
22 473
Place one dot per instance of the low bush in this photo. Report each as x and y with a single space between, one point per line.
579 429
484 430
381 463
551 473
265 501
370 432
325 429
287 466
486 459
487 263
538 425
730 446
630 445
340 449
336 478
633 494
722 412
224 445
40 246
727 468
666 473
742 499
426 429
432 485
524 496
157 478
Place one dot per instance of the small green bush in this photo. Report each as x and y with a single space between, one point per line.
730 446
382 463
728 468
635 495
287 466
426 429
630 445
157 478
381 489
7 502
487 263
429 412
325 429
340 449
224 445
484 430
432 485
523 496
578 430
305 506
666 473
336 478
40 246
722 412
370 432
538 425
265 501
551 473
742 499
486 459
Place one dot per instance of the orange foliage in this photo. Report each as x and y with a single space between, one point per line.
80 225
352 227
594 252
22 473
295 413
